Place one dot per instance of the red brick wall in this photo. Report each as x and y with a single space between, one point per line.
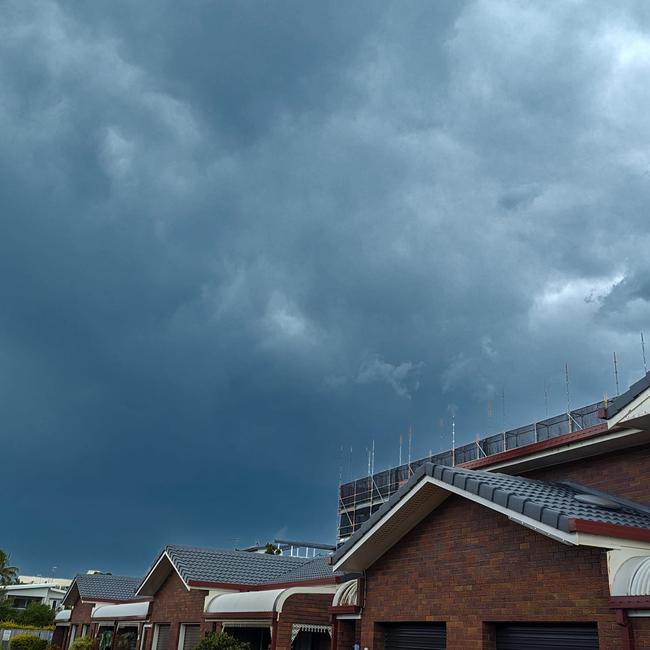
641 628
301 608
469 566
348 632
623 473
174 604
81 614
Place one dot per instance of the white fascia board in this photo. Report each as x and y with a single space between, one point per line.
163 556
567 447
389 515
638 407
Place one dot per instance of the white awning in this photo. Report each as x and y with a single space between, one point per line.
133 611
243 623
632 578
347 594
63 616
245 601
296 628
265 601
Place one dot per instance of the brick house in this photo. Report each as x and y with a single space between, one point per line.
267 600
543 546
89 595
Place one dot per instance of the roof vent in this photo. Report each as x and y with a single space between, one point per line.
595 500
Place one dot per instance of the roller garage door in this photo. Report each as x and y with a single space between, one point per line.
547 636
415 636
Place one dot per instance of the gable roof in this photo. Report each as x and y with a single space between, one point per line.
201 567
100 587
621 401
551 508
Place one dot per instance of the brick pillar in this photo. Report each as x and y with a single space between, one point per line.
469 634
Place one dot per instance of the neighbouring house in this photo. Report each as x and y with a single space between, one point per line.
45 593
267 600
61 583
86 600
540 546
276 601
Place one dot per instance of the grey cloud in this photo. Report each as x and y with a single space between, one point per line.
229 231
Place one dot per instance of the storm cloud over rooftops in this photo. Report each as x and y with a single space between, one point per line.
238 237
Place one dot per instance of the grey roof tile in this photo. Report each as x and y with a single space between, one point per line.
243 567
107 587
551 503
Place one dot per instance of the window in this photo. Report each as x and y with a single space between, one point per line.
189 637
161 637
73 633
84 630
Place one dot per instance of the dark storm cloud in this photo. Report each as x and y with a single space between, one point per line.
236 237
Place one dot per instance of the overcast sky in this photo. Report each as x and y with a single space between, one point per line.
238 236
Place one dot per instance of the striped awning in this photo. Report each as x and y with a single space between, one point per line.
296 628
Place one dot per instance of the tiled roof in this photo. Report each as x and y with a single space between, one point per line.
620 402
550 503
106 587
318 567
242 567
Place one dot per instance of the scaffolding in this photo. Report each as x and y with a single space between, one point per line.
360 498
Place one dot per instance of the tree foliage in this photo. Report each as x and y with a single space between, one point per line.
84 643
27 642
221 641
8 573
272 549
36 614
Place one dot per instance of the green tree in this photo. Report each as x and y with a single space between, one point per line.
8 573
221 641
37 614
272 549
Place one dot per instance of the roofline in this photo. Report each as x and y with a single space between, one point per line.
609 530
542 445
116 601
567 534
163 554
314 582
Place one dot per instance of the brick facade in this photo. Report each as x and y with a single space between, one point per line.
301 608
623 473
173 604
469 567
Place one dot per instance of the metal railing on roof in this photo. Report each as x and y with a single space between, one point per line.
360 498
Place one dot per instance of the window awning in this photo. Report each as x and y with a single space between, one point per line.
266 601
245 601
632 577
347 594
245 623
296 628
131 611
63 616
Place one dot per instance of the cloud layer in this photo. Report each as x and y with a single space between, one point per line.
236 238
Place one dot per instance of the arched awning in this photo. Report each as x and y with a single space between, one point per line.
258 604
347 595
632 577
125 611
62 617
